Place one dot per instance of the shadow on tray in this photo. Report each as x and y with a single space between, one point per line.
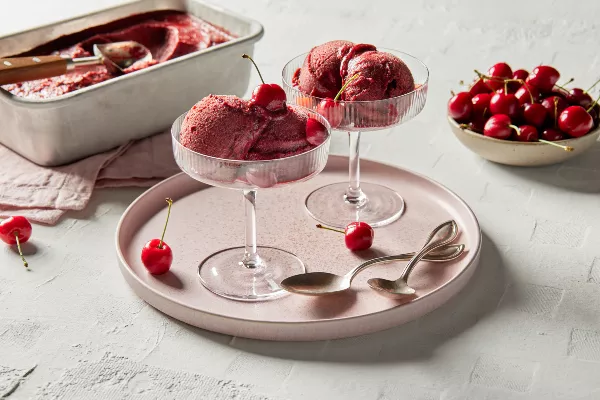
412 341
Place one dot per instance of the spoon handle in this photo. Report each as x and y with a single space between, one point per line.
19 69
431 244
399 257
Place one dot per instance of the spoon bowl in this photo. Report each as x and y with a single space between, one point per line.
324 283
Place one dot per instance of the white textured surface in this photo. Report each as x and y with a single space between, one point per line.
526 327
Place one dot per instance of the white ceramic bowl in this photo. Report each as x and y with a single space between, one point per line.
522 154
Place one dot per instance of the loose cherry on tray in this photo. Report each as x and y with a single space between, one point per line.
460 106
16 230
357 235
268 95
331 109
156 254
575 121
543 77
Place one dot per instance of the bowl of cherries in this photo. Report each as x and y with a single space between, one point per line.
524 118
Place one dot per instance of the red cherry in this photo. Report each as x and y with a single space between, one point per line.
481 103
552 135
526 133
268 95
16 230
518 75
478 87
500 70
575 121
534 114
507 104
156 254
498 127
543 77
460 106
316 132
331 109
579 97
527 94
357 235
554 105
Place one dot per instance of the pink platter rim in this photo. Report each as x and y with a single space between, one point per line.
323 329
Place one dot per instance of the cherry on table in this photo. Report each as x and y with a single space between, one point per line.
157 256
534 114
543 77
331 109
500 71
268 95
498 127
357 235
460 106
575 121
16 230
502 103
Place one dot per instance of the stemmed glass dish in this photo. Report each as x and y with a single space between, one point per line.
250 272
338 204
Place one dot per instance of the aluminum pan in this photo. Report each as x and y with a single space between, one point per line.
63 129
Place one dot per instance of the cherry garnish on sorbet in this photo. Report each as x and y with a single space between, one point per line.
357 235
331 109
156 254
16 230
270 96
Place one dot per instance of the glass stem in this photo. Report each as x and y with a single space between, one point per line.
354 195
251 258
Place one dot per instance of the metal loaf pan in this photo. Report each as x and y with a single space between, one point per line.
64 129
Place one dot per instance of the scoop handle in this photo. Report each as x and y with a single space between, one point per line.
20 69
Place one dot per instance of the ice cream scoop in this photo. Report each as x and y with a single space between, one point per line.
115 56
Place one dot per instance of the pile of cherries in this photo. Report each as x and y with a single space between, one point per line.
525 107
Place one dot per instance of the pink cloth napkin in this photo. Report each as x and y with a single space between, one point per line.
44 194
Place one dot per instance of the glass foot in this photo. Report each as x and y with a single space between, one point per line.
223 274
327 205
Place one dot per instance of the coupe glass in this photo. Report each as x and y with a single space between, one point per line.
338 204
250 272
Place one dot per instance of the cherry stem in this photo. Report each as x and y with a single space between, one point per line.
330 229
516 128
452 93
565 84
591 87
555 112
529 91
506 86
497 78
255 66
25 263
565 148
593 104
168 200
337 96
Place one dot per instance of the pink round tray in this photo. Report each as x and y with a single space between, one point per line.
205 219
